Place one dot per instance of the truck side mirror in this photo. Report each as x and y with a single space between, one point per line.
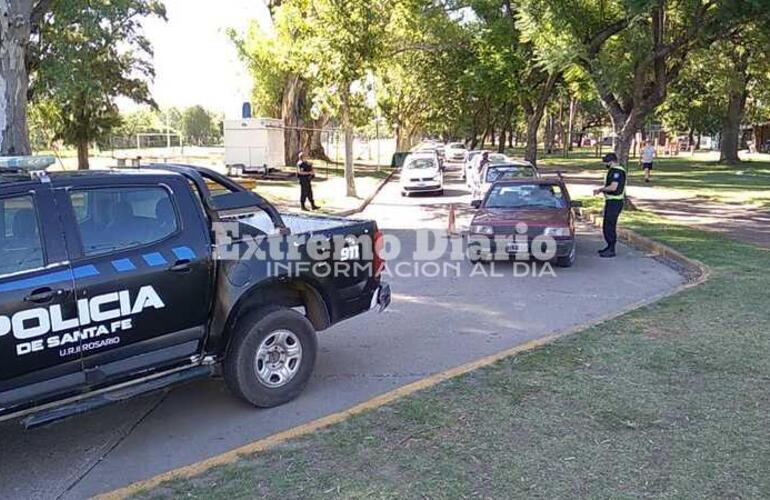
476 203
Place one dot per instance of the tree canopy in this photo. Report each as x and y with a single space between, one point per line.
88 54
537 73
631 50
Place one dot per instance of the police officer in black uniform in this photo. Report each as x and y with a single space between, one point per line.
614 191
305 174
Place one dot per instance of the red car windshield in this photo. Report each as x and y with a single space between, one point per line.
526 196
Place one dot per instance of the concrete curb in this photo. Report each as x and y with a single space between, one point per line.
697 271
367 201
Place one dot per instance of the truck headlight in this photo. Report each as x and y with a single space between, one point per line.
481 229
557 231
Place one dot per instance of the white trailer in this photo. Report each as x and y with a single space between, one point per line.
253 143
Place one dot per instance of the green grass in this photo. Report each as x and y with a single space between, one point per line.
748 182
671 400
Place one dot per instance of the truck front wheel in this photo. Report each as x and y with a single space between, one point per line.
271 356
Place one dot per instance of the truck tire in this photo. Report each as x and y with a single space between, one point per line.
271 356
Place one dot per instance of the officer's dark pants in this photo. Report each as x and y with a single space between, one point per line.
306 191
612 209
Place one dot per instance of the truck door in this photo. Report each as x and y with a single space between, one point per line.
39 348
149 299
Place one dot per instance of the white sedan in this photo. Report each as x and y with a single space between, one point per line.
500 171
421 173
455 151
472 167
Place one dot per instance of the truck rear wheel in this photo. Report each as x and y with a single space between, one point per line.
271 357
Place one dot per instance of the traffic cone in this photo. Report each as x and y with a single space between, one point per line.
452 229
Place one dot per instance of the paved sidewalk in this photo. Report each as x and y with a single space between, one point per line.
739 221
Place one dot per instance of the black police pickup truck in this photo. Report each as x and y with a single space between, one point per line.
119 282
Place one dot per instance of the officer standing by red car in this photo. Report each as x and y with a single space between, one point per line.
614 191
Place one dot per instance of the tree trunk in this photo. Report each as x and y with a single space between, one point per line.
573 104
14 81
550 131
317 147
623 147
292 108
731 127
534 114
83 155
624 128
404 136
530 147
347 124
350 175
312 143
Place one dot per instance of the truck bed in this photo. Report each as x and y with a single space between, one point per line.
298 223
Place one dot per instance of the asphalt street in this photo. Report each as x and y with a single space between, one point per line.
433 324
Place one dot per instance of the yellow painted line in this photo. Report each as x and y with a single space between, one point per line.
304 429
388 397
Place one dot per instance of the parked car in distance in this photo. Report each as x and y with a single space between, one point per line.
471 158
421 173
455 151
432 150
472 169
475 166
545 207
497 158
494 172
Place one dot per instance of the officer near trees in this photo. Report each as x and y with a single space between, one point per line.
305 174
614 191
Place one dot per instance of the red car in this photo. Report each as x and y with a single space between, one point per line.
532 218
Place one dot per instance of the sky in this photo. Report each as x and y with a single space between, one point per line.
195 62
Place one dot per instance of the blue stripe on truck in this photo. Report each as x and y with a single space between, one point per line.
154 259
50 278
184 253
123 265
